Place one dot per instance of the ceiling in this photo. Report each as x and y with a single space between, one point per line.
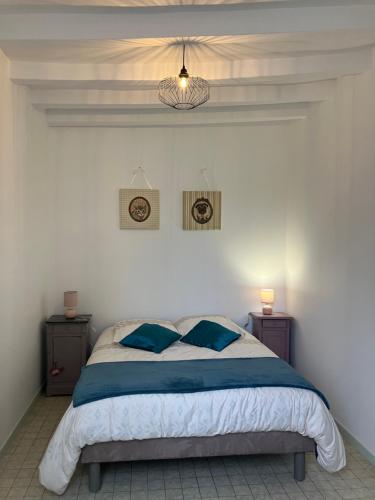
106 54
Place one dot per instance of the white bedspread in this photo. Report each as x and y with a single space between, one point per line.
180 415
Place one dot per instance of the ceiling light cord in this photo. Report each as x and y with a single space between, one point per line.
183 72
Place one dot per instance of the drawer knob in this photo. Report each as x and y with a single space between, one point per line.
56 371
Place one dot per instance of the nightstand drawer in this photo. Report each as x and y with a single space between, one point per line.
274 323
73 329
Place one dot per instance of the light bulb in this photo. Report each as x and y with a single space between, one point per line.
183 82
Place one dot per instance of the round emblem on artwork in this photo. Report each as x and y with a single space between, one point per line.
139 209
202 211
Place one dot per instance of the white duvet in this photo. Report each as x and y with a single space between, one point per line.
180 415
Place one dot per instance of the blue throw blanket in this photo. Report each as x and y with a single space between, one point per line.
108 380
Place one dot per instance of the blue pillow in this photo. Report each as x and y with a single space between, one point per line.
211 335
150 337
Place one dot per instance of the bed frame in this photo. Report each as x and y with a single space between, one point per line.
250 443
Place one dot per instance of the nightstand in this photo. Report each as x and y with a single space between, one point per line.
274 332
67 351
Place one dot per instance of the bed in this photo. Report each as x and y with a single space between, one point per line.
233 421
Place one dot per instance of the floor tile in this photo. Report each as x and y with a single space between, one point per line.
208 492
174 494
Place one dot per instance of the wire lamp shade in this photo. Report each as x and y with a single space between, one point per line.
183 91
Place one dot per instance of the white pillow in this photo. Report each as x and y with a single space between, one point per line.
184 325
124 328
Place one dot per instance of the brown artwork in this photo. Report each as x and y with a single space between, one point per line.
202 211
139 209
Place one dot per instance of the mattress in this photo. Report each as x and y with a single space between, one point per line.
152 416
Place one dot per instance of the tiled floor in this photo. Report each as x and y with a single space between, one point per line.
245 478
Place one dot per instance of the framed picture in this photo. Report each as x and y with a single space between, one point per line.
201 210
139 209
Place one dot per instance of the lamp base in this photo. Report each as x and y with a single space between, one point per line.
267 310
70 313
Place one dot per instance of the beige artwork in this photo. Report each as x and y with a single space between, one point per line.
139 209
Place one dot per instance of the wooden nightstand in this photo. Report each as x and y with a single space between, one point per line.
67 351
273 331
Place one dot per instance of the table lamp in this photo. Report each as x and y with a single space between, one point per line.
267 297
70 303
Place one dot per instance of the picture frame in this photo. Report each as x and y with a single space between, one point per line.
139 208
201 210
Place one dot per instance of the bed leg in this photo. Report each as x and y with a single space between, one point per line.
299 466
95 478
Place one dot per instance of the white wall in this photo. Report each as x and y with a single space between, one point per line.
23 251
331 250
170 272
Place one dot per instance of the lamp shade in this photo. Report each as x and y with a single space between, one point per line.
70 299
267 295
183 91
193 94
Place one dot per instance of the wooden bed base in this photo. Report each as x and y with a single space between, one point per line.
250 443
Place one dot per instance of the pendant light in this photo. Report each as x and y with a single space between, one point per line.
183 91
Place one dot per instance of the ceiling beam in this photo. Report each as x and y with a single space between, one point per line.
253 95
173 118
190 20
104 6
112 5
146 76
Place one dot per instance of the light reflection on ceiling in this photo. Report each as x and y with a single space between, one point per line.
125 3
199 49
